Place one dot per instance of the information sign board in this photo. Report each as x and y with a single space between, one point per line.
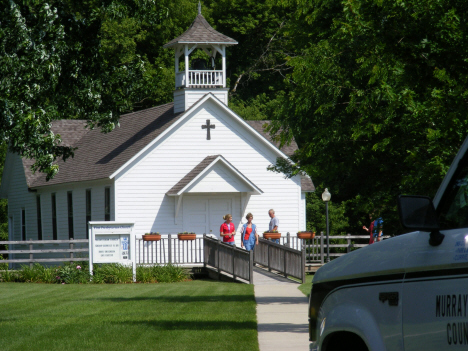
111 248
111 242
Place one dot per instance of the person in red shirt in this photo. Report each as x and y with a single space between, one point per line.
227 230
370 229
249 236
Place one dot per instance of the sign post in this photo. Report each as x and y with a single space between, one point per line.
112 242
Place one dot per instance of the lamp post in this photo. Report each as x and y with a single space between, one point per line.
326 196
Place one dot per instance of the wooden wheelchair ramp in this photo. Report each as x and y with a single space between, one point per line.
225 261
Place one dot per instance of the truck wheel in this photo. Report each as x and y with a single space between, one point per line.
344 341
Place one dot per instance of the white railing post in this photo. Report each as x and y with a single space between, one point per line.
169 249
224 65
186 52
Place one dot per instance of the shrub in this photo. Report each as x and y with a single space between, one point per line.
36 274
72 273
8 276
161 274
144 275
112 273
78 273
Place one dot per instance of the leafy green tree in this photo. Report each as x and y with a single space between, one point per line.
316 215
58 60
377 97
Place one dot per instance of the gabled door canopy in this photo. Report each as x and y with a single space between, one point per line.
213 175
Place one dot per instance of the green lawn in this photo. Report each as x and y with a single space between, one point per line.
195 315
305 288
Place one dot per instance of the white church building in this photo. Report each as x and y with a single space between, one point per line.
168 169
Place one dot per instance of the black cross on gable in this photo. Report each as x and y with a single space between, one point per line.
208 126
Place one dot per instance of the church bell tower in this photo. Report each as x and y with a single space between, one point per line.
199 76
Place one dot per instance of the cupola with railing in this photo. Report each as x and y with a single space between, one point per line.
200 75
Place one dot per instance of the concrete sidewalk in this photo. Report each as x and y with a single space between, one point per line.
281 313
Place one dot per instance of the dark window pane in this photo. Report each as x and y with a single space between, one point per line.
88 211
39 217
23 224
107 204
54 217
70 214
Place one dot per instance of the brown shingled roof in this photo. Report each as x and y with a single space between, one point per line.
70 131
99 155
191 175
288 150
307 185
201 32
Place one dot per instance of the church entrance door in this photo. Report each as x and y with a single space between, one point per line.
204 214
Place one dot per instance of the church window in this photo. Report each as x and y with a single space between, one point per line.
39 217
23 224
88 211
107 204
70 214
54 216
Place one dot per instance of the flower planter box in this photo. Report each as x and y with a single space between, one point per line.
187 236
151 237
271 235
306 235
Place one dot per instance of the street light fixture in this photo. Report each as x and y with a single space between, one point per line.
326 196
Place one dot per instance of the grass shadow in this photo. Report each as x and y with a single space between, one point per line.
195 325
181 298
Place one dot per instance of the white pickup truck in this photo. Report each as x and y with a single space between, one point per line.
409 292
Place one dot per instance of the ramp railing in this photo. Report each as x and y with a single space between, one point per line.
280 258
228 259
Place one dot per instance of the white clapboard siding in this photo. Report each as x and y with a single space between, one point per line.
79 208
141 189
302 219
185 98
20 198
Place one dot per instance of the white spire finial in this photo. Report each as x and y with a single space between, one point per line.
199 8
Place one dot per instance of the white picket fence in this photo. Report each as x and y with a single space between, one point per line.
168 250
